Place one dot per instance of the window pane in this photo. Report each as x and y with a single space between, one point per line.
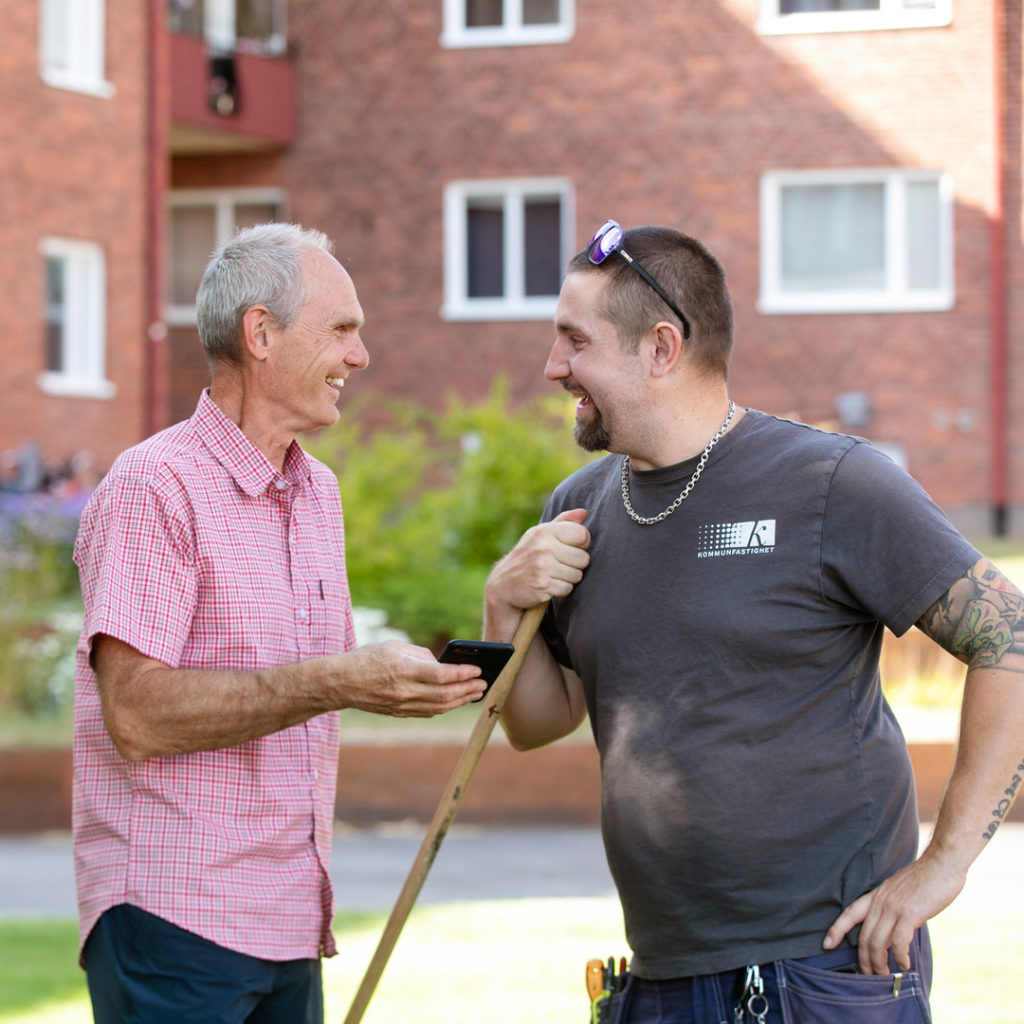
804 6
482 13
192 240
254 18
485 249
833 237
923 270
55 314
249 214
540 12
543 272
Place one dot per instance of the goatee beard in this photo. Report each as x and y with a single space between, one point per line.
592 437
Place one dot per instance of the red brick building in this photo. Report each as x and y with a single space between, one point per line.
857 171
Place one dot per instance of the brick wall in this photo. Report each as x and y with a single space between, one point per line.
671 116
72 166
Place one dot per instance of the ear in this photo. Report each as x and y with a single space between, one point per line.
665 347
256 334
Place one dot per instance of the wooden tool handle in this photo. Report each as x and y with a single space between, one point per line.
446 810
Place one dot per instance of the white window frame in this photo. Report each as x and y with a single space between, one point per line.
83 357
512 32
223 202
72 46
514 303
892 14
895 296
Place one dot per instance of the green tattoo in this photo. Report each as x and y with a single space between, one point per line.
979 620
983 634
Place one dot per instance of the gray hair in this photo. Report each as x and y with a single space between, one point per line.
261 265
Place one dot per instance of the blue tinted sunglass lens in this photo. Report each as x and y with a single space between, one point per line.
605 242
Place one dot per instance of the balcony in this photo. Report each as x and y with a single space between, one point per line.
237 103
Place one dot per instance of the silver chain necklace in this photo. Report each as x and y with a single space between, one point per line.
651 520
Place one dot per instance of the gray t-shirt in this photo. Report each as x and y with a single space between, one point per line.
754 780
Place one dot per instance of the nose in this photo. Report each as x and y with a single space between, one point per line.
557 366
357 357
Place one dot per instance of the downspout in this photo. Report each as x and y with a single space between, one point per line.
997 255
156 412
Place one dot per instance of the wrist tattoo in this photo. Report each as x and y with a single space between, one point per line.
1001 809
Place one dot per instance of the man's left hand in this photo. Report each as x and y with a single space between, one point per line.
890 914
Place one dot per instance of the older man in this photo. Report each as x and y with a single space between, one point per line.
216 644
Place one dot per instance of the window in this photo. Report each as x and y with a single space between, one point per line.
506 246
507 22
71 45
783 16
856 241
200 221
74 308
251 26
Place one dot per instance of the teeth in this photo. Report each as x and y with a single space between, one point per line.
338 382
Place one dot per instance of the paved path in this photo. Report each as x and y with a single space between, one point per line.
370 867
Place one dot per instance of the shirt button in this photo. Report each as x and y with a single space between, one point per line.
281 485
301 614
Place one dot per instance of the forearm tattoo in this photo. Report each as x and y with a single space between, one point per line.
980 620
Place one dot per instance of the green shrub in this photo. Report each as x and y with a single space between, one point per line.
40 613
433 500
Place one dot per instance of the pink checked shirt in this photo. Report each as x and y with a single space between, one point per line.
198 553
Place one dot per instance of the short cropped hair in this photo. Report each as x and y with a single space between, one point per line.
687 271
261 265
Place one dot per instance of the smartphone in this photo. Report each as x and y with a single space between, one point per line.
488 655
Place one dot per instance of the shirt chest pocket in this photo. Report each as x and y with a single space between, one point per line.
324 622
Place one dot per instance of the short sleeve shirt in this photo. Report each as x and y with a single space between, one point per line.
754 780
198 553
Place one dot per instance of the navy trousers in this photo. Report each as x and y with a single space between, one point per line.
144 970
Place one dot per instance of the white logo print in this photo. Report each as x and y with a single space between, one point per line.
755 537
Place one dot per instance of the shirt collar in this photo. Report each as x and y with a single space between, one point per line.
251 470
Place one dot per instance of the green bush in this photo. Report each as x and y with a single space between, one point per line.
40 613
433 500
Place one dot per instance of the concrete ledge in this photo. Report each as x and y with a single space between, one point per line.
557 785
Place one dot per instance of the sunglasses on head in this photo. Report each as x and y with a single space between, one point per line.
608 240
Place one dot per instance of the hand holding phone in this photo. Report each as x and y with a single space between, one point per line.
488 655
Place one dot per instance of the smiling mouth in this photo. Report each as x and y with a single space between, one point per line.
336 382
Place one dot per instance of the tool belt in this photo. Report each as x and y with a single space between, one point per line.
610 993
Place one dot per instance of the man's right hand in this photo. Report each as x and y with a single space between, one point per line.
548 561
405 681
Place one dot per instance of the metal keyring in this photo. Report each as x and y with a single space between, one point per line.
759 1016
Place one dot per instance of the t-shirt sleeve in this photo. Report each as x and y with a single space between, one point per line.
886 546
135 553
